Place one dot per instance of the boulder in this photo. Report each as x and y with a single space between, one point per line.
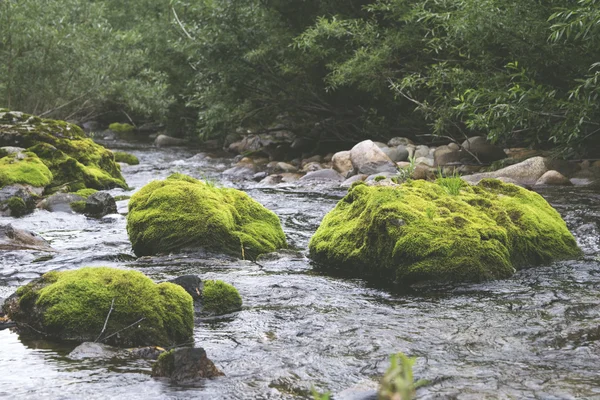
403 153
18 200
61 202
185 365
446 155
184 213
421 151
525 173
100 204
168 141
127 158
93 304
210 297
58 155
19 239
399 141
483 150
443 231
394 154
553 178
367 158
341 162
323 175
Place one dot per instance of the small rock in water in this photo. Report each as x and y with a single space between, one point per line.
60 202
323 175
191 283
100 204
93 350
185 364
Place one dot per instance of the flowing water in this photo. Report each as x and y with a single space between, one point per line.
535 335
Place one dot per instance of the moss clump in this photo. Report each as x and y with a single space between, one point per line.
183 212
165 364
17 206
25 168
85 193
73 159
126 158
219 297
419 231
121 128
73 305
78 206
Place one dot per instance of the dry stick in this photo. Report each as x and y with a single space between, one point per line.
106 321
127 327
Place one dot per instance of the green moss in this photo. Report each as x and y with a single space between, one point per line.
78 206
165 364
29 170
122 197
182 212
219 297
121 128
418 231
85 193
74 160
17 206
126 158
73 305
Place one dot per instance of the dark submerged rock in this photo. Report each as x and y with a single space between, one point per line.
185 365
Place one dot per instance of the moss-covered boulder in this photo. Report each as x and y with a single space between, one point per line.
210 297
69 158
184 213
445 231
127 158
74 305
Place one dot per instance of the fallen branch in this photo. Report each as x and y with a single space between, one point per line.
127 327
106 321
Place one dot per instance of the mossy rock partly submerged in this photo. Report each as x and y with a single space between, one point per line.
184 213
73 159
73 305
419 231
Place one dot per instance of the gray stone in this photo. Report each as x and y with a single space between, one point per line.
453 146
444 155
185 364
259 176
341 162
20 239
168 141
425 160
483 150
403 152
394 154
93 350
381 145
356 178
421 151
12 149
28 194
312 166
368 159
240 172
525 173
399 141
60 202
100 204
553 178
323 175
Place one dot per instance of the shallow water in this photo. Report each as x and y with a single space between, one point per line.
532 336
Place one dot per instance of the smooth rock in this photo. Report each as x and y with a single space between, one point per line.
381 145
100 204
19 239
323 175
483 150
394 154
445 155
60 202
341 162
367 158
311 167
403 153
93 350
167 141
421 151
425 160
185 364
380 176
553 178
356 178
525 173
239 173
453 146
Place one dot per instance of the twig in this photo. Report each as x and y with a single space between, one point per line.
106 321
181 25
127 327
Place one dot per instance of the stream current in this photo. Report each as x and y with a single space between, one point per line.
533 336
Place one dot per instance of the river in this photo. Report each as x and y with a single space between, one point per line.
534 336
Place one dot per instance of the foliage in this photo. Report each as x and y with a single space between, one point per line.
398 382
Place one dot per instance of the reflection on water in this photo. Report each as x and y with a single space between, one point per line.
535 335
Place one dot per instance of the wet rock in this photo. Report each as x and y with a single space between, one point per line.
341 162
191 283
323 175
356 178
185 365
425 160
60 202
19 239
483 150
421 151
18 200
399 141
525 173
367 158
168 141
553 178
311 167
100 204
259 176
240 172
93 350
272 180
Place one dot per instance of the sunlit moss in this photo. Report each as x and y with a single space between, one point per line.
219 297
29 170
126 158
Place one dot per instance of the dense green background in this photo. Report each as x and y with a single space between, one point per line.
523 72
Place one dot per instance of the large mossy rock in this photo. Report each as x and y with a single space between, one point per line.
58 154
184 213
419 231
74 305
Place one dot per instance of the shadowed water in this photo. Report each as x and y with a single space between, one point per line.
535 335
